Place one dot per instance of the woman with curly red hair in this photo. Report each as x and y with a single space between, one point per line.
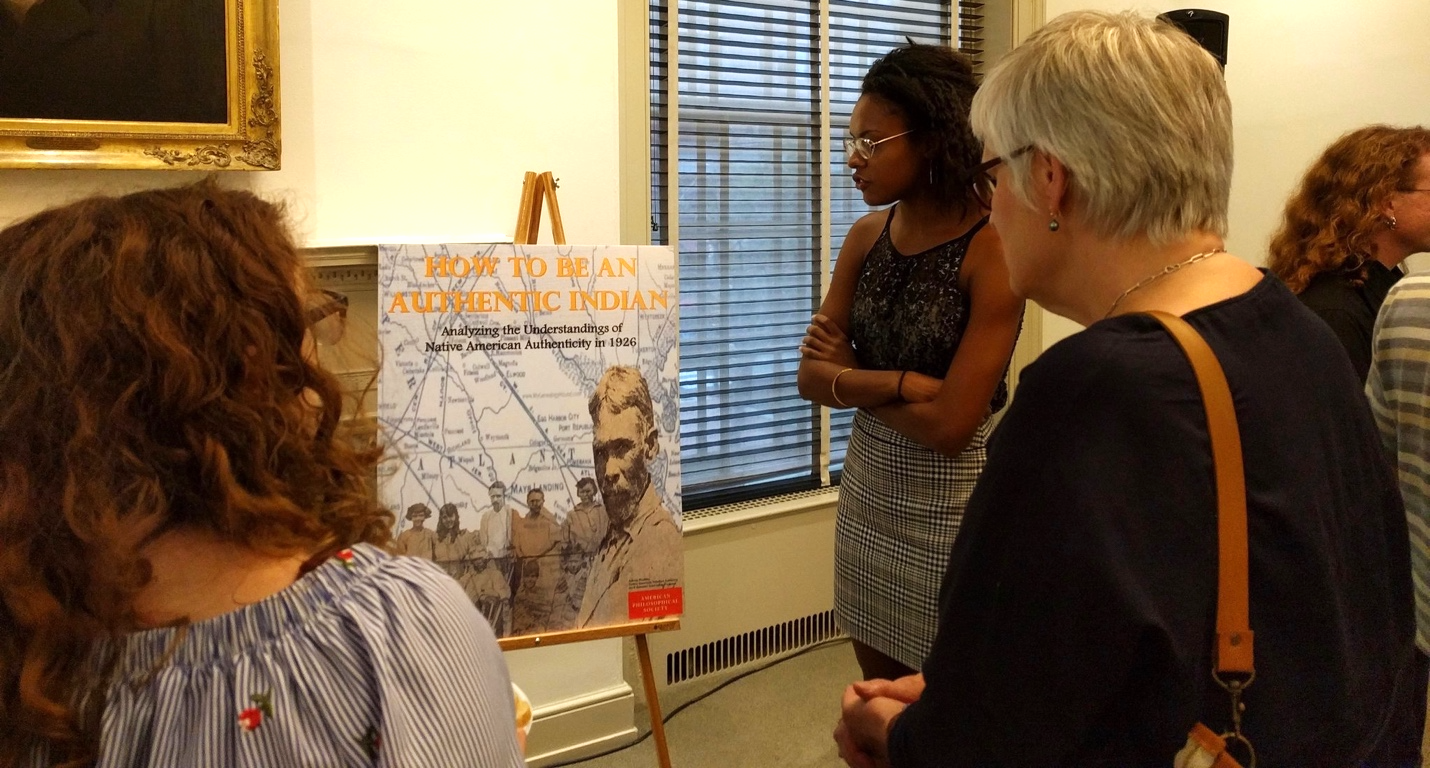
191 558
1363 207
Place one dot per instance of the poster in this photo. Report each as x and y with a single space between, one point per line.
530 395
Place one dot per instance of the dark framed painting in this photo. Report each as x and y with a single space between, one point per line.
177 84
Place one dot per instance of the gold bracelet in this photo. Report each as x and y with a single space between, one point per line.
834 388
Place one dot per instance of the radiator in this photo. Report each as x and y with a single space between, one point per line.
759 583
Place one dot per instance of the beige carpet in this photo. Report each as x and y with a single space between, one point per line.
779 717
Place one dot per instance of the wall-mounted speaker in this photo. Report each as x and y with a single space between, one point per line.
1208 28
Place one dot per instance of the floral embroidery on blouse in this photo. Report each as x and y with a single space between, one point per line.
249 719
346 555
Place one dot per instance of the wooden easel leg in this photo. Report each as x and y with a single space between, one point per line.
528 214
548 187
657 725
636 629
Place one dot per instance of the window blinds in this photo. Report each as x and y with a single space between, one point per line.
748 201
861 32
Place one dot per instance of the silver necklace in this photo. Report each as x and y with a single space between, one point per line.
1167 270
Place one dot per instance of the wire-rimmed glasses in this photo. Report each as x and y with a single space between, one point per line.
864 148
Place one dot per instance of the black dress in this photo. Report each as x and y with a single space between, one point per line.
1079 603
900 503
1350 309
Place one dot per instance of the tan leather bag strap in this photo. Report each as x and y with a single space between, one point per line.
1233 615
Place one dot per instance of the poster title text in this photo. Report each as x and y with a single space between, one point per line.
526 301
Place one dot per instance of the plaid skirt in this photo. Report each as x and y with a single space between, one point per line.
900 505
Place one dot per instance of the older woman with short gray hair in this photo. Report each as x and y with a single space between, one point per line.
1077 616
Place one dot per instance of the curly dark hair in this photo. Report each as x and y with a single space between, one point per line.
932 87
1330 221
154 376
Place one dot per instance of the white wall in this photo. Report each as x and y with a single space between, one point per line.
1300 74
415 122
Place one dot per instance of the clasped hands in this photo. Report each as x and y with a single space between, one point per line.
867 711
825 341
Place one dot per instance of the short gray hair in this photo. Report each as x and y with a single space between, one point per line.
1132 106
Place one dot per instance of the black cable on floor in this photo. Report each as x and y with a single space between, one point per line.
671 715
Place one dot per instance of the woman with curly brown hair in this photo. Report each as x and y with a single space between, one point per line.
190 553
1363 207
916 332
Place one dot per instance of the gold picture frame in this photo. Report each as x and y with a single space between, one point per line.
156 127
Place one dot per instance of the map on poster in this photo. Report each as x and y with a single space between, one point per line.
530 395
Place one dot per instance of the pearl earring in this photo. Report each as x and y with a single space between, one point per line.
1053 225
1390 222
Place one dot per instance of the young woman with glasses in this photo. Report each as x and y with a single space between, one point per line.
191 571
916 332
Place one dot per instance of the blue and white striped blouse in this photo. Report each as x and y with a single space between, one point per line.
1399 391
368 660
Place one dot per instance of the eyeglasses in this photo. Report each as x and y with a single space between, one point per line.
864 148
327 315
983 180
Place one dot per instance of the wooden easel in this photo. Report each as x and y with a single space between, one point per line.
528 224
639 629
528 217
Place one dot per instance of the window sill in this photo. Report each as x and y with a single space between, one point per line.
726 515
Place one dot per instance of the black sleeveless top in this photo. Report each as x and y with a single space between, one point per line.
908 312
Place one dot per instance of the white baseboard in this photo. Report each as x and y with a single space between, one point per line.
581 727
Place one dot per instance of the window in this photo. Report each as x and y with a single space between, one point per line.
761 205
